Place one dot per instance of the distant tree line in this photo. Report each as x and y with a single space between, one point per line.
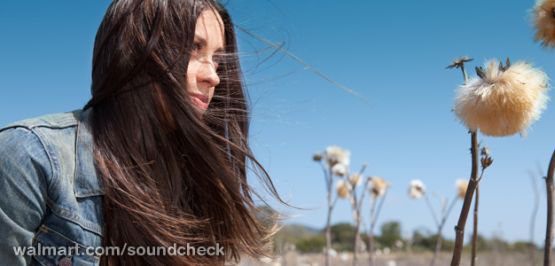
305 240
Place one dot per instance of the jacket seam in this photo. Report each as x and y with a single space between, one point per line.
45 229
56 170
76 219
53 165
43 146
50 230
30 127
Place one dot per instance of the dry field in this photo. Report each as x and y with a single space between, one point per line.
403 259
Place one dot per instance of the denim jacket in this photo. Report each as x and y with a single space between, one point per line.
50 194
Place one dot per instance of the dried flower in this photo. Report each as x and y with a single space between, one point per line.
486 159
462 185
343 189
339 169
544 20
337 155
416 189
485 152
317 157
459 62
378 186
504 100
355 179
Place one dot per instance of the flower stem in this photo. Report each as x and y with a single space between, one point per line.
356 217
374 214
328 236
371 232
329 186
445 215
439 229
533 219
549 229
356 206
434 216
459 228
475 231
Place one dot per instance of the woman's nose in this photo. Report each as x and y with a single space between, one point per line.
208 74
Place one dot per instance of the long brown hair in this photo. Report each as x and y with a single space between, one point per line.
171 176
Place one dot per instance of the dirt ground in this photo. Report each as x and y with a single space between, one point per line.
400 259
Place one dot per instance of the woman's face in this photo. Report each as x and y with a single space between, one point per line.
202 77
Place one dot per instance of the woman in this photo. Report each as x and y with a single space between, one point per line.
157 157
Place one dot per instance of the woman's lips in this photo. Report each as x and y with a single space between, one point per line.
199 100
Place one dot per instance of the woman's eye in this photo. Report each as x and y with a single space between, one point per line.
217 61
196 47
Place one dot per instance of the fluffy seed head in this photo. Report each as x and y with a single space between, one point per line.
337 155
461 185
416 189
504 100
355 179
378 186
343 189
340 169
544 22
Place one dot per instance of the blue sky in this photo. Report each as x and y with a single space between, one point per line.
393 53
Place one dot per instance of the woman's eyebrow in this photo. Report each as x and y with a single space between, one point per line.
202 41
